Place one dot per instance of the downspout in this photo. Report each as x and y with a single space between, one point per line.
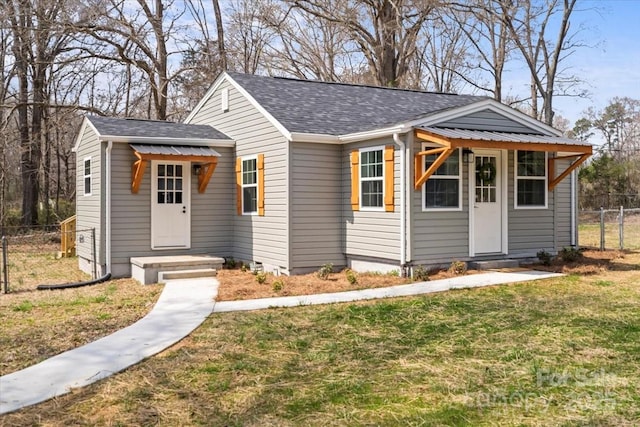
108 207
574 209
107 275
403 233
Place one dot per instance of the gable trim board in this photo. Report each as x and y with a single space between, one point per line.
307 215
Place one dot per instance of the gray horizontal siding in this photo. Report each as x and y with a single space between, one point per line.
439 236
562 195
89 208
370 233
259 238
486 120
211 211
316 215
530 230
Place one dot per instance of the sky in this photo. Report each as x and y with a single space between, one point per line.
611 67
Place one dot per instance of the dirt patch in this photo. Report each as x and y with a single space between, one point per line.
594 262
236 284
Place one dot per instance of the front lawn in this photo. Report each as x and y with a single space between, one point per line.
562 351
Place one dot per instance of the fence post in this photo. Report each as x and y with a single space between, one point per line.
5 270
93 254
621 227
602 228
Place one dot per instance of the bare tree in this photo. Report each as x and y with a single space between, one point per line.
138 37
385 31
529 27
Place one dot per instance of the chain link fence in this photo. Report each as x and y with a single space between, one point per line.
610 229
34 256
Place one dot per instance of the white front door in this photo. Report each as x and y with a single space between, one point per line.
486 192
170 207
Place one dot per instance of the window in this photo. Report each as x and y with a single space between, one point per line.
169 184
87 176
531 179
371 178
249 186
442 189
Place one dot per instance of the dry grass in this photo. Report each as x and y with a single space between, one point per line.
39 324
561 351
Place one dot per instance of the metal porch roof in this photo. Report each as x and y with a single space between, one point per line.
175 150
483 135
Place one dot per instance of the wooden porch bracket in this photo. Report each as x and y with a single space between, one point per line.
137 172
421 178
209 164
553 182
205 175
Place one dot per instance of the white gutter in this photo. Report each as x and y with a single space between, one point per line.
403 233
574 208
168 141
108 206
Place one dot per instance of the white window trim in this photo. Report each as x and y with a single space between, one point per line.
516 177
243 185
460 189
360 179
85 176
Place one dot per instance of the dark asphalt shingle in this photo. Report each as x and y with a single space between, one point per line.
336 109
153 128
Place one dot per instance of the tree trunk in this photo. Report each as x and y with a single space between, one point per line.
222 53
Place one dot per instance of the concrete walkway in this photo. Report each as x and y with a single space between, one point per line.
182 307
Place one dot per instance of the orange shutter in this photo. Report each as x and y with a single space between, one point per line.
355 180
261 184
388 178
239 185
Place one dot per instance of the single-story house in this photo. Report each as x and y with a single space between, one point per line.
294 174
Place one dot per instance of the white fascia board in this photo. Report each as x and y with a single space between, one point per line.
85 122
260 108
376 133
320 138
488 104
206 97
169 141
226 77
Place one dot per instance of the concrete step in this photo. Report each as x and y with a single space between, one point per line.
494 264
163 276
145 269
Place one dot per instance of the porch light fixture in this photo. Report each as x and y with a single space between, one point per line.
467 155
197 167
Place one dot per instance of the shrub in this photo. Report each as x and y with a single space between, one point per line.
261 278
229 263
394 273
244 268
544 257
420 274
324 271
569 254
352 277
278 285
458 267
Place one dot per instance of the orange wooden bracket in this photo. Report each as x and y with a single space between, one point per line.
421 178
137 172
205 175
554 181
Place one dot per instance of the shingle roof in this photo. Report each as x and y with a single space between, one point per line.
137 128
307 106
